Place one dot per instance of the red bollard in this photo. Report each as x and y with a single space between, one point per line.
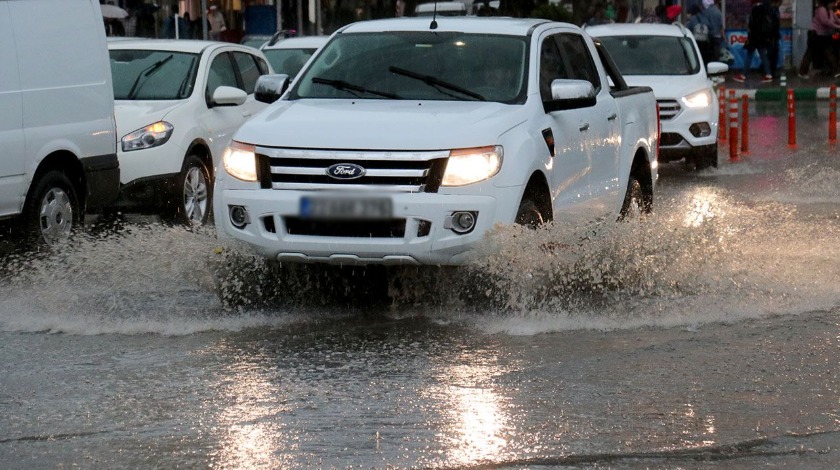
722 113
791 119
733 127
745 125
832 114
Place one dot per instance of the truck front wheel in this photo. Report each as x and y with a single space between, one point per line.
636 201
529 213
52 210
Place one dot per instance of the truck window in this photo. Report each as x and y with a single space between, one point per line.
578 59
552 66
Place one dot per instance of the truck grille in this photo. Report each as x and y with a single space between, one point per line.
668 109
394 171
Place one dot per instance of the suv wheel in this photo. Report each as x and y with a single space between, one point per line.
193 193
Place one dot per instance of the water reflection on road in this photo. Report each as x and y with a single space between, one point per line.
708 335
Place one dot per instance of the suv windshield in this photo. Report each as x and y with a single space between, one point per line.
419 66
652 55
152 75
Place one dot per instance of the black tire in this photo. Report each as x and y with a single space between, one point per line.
706 158
529 213
193 196
52 211
637 201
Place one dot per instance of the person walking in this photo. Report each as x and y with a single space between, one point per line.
700 28
713 14
824 25
217 23
775 36
759 36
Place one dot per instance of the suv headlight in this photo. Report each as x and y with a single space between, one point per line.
150 136
467 166
240 161
700 99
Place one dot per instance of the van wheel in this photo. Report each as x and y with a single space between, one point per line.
194 193
529 214
51 211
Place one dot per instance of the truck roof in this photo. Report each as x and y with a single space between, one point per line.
466 24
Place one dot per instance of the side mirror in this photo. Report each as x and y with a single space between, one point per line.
570 94
271 87
716 68
228 96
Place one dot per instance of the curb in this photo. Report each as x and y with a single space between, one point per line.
780 94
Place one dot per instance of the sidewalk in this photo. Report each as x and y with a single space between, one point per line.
814 88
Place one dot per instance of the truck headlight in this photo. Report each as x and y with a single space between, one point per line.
240 161
701 99
466 166
150 136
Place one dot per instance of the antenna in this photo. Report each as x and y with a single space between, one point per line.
434 16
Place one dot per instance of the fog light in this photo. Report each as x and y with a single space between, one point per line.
700 129
239 216
461 221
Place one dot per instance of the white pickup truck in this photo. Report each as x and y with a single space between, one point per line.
403 141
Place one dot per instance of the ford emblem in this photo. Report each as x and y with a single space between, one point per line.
345 171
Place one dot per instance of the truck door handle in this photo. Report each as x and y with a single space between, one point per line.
612 117
584 127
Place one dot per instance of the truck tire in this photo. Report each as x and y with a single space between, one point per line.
193 193
706 158
636 201
52 210
529 213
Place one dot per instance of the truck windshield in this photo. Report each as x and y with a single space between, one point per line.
420 66
652 55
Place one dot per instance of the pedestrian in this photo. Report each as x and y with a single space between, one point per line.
700 28
824 24
775 35
217 23
759 36
711 10
169 26
598 15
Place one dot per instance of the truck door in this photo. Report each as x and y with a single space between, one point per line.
12 149
569 174
603 136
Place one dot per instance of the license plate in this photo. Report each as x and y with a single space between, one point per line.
345 208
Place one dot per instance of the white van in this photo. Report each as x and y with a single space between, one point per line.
57 133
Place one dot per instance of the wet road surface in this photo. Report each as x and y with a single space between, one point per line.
706 337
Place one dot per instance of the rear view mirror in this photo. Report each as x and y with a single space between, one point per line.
228 96
716 68
271 87
570 94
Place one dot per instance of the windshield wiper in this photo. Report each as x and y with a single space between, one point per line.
145 73
435 82
342 85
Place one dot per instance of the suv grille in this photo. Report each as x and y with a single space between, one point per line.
396 171
668 109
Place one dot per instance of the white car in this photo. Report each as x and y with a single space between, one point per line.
177 103
401 144
666 58
288 56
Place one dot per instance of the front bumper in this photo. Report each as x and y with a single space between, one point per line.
415 235
690 131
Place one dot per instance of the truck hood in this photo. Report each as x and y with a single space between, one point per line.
380 124
668 87
133 115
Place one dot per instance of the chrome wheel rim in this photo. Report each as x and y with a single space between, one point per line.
195 196
55 218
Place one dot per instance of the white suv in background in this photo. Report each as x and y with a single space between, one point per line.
666 58
177 104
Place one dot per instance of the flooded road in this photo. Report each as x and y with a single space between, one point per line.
707 336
